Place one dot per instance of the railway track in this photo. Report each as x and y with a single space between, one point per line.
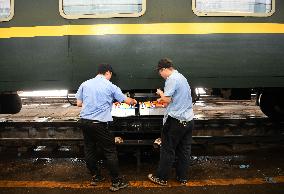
143 131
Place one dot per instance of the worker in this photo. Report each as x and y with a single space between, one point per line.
176 134
96 97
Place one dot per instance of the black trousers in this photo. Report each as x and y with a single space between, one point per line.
176 143
98 137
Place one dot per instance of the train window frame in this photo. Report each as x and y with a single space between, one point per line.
90 16
11 12
198 13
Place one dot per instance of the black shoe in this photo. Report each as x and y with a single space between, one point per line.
157 180
182 181
96 179
120 184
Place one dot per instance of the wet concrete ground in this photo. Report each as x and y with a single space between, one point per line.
254 172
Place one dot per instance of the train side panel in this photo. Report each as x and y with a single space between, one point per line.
224 58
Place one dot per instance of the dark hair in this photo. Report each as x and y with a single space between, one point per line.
164 63
103 68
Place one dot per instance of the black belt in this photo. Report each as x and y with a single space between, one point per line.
93 121
177 120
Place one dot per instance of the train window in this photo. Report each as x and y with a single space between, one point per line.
75 9
257 8
6 10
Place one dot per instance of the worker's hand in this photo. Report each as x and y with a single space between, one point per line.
160 100
130 101
118 140
133 102
79 103
159 92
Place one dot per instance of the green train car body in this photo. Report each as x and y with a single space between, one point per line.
242 52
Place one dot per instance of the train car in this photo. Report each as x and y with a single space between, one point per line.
57 44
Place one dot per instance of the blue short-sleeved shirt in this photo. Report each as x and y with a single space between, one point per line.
178 89
97 95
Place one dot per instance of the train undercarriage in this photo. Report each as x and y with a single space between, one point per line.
270 100
49 127
220 123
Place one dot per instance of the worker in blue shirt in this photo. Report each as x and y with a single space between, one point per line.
96 97
176 135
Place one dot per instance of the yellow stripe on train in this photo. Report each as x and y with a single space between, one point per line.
139 29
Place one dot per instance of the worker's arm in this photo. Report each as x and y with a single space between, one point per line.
163 98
